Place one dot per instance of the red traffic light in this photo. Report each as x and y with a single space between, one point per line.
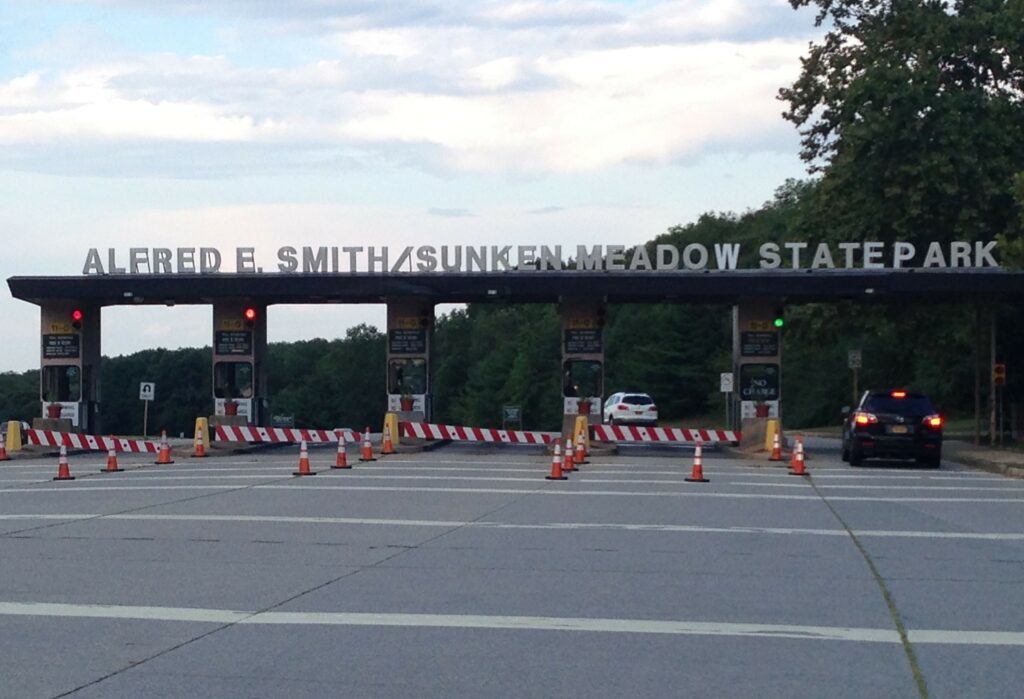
250 316
76 317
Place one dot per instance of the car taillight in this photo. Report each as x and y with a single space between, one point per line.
621 406
864 419
933 421
654 407
899 394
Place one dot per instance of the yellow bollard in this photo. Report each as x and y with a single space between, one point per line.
13 436
201 442
391 424
582 427
772 427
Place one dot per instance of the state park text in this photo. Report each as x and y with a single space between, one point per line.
509 258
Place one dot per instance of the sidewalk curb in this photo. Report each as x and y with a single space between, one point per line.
989 466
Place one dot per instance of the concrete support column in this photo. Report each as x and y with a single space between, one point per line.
69 377
240 363
410 338
757 363
582 358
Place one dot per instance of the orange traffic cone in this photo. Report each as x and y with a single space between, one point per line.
568 461
556 465
581 450
3 451
303 462
796 468
63 472
342 459
200 445
776 448
386 446
164 455
697 474
112 466
367 452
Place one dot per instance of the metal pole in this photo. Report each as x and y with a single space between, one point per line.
145 419
1002 415
855 382
977 376
992 380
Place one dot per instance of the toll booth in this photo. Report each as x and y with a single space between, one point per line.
410 338
582 359
239 363
69 377
757 364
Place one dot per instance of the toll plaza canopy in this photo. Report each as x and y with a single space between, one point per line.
712 286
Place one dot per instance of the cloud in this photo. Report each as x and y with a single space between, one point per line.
450 213
546 210
523 87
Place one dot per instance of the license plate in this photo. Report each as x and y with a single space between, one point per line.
898 429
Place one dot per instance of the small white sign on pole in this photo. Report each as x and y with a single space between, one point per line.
147 391
854 359
726 382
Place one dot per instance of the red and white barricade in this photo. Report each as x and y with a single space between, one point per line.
280 435
458 433
89 442
630 433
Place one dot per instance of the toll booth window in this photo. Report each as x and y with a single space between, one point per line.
407 376
232 380
62 384
582 378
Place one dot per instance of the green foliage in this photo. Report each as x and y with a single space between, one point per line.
674 352
489 355
182 380
19 395
326 384
912 111
1011 243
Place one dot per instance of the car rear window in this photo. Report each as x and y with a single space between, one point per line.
911 405
637 400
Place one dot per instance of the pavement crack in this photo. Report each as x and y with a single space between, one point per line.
276 605
178 501
890 601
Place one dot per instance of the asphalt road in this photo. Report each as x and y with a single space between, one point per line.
467 574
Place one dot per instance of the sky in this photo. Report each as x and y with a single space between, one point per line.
225 123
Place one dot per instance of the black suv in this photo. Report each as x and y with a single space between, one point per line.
895 424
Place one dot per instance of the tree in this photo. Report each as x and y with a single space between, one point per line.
913 112
1011 244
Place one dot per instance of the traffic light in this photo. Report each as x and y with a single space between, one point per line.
249 316
76 318
999 374
780 318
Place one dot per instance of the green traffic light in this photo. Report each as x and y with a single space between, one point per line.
779 322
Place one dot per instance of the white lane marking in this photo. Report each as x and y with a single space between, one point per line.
106 611
62 487
518 623
583 478
723 468
541 490
831 486
634 493
603 526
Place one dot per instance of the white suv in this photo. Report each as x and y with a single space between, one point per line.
630 408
